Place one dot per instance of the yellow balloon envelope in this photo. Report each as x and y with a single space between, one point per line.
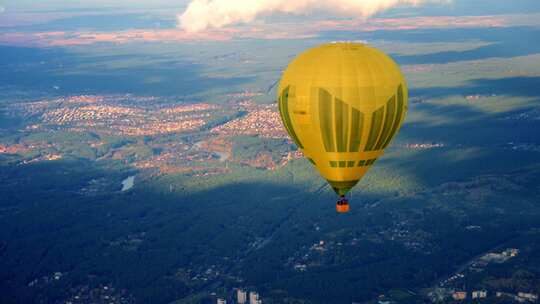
342 103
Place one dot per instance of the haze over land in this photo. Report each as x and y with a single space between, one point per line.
93 93
201 15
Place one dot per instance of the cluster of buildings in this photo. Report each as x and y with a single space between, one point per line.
38 107
424 146
476 265
494 257
483 261
13 149
482 294
264 122
117 115
120 120
520 297
68 115
84 99
195 107
462 295
245 94
127 115
243 297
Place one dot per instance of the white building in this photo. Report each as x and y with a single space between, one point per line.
479 294
254 298
221 301
241 296
528 296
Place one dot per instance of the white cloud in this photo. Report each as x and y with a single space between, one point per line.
204 14
2 9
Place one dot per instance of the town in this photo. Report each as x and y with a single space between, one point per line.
242 298
142 123
262 121
448 288
115 115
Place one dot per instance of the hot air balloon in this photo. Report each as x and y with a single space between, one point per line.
342 103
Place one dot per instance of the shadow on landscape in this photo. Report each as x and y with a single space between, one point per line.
469 127
466 123
478 141
509 86
506 42
475 143
47 69
70 217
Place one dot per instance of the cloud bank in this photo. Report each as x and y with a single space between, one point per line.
201 15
